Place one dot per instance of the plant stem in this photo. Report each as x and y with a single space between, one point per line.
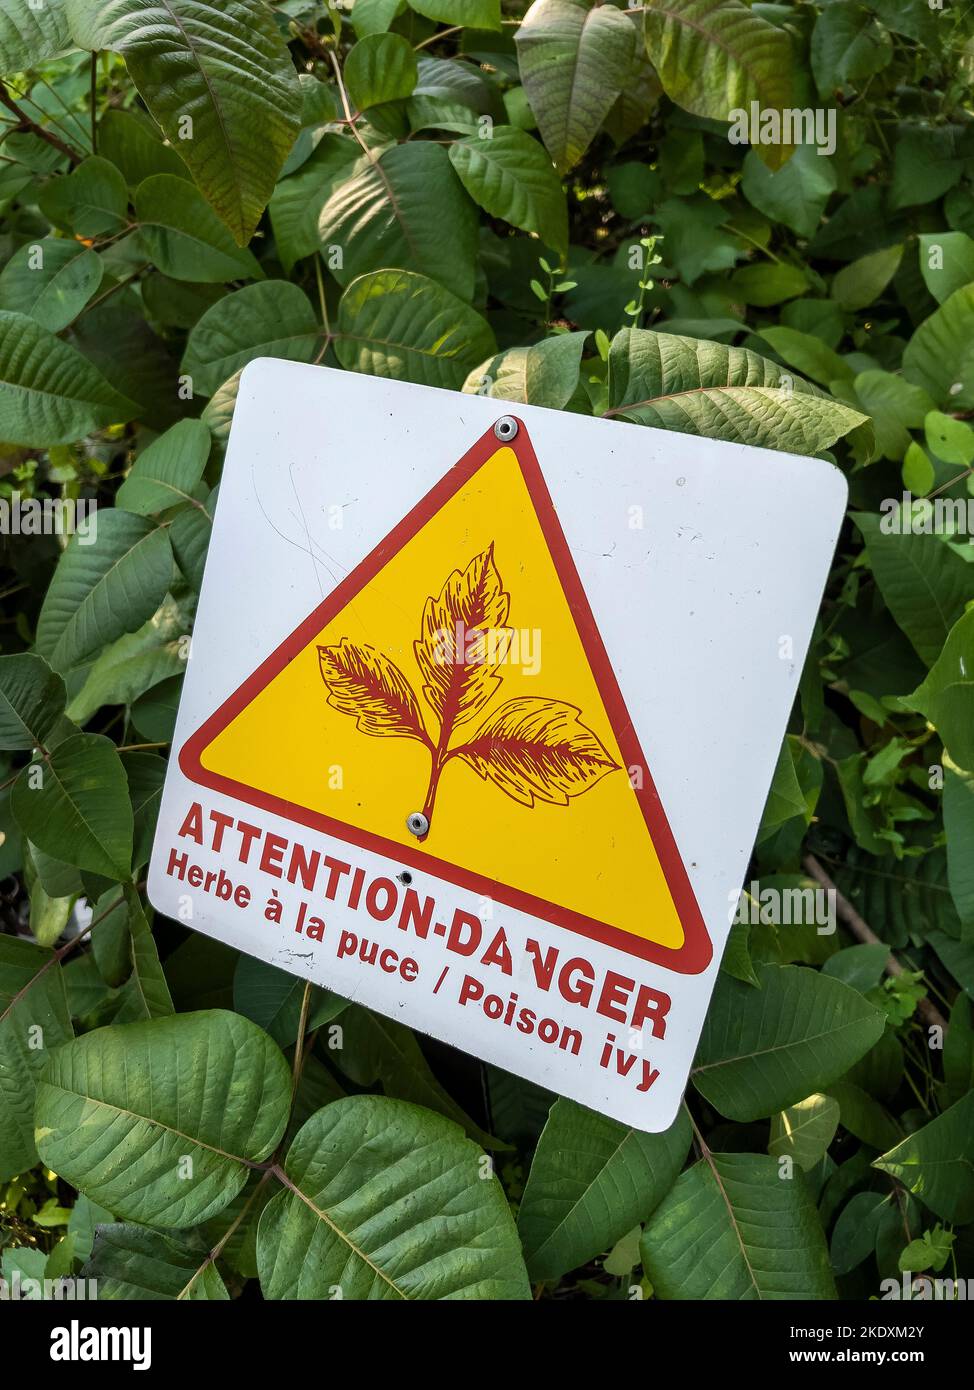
94 103
321 295
27 124
440 756
58 955
299 1043
864 932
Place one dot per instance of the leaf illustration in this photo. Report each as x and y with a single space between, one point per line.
535 749
532 749
367 685
464 639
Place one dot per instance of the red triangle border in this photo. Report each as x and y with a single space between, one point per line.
695 953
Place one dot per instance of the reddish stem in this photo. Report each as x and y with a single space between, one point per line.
440 756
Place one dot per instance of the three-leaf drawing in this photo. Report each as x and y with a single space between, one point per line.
533 748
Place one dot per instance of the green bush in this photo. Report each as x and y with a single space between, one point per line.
545 207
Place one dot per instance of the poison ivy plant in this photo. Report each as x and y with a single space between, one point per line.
750 223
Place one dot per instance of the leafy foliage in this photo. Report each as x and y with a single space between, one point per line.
550 203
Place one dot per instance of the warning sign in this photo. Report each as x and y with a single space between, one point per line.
457 709
446 742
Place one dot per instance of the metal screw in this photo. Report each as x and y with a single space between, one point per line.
506 427
417 824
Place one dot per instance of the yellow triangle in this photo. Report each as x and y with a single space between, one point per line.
592 857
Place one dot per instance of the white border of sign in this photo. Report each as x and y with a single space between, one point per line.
729 570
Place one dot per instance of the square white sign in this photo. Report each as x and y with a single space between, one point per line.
482 711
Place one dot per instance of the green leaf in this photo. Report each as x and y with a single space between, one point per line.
795 194
271 319
272 998
591 1180
190 535
133 664
374 16
907 895
936 1163
111 940
959 1050
165 474
154 713
74 805
946 262
393 323
959 830
804 1131
146 773
89 201
48 915
130 1262
768 283
30 34
382 215
854 1234
183 238
861 283
786 799
380 67
49 393
472 14
859 967
133 143
849 45
863 1116
50 281
297 201
694 235
158 1121
32 698
715 57
951 440
223 65
765 1049
720 392
931 1251
946 697
544 374
102 590
928 161
511 177
940 355
957 957
896 407
733 1228
151 997
86 1217
573 61
925 584
59 879
34 1019
387 1201
376 1049
807 354
917 472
